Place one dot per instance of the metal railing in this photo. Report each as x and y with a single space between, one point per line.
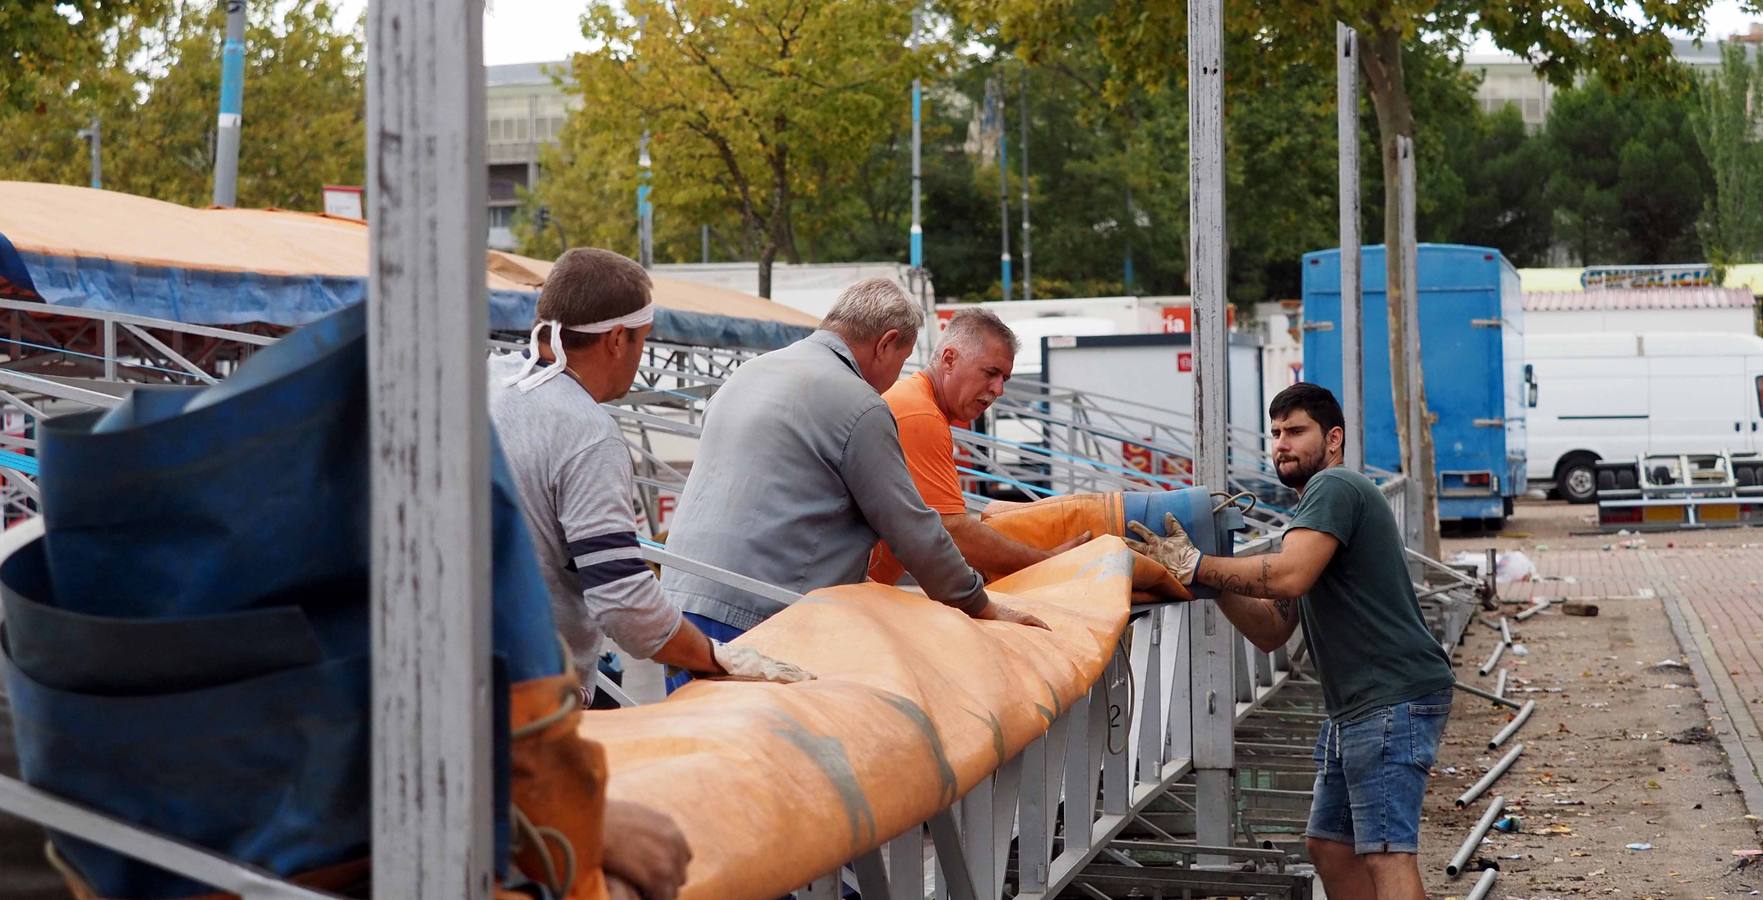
1031 829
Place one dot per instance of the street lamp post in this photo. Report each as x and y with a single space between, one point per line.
94 134
232 105
645 208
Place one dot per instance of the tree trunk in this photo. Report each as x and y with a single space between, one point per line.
767 253
1381 61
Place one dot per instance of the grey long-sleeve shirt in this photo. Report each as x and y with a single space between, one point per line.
572 473
798 473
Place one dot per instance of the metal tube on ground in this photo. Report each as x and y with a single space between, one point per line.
1492 776
1532 610
1505 632
1467 851
1488 666
1478 692
1486 884
1513 726
1488 622
1500 687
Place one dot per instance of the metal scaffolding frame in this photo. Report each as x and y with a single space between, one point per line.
1015 834
1099 802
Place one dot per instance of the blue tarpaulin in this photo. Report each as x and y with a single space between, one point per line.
186 648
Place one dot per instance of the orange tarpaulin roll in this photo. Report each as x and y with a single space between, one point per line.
915 703
557 780
1048 523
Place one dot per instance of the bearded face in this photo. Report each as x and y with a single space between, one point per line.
1300 449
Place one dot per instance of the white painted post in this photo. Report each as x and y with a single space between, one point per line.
1352 329
1212 639
427 317
1415 492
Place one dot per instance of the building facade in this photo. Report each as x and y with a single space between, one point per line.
524 109
1509 79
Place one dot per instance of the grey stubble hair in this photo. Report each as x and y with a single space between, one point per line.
873 307
968 326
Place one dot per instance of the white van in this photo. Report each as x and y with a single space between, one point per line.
1613 395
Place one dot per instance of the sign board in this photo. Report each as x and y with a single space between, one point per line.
343 202
1152 376
1180 319
1608 278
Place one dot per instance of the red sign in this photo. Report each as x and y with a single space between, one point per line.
1184 362
1180 319
1167 468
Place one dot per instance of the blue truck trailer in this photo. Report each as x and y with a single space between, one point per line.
1472 354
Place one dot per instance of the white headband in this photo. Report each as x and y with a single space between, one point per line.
527 379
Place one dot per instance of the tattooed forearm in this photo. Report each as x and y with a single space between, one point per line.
1210 575
1284 608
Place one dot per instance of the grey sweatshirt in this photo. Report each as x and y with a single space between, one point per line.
798 473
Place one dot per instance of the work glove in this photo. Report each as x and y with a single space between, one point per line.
1176 552
743 664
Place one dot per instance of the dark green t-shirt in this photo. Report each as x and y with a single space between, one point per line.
1361 618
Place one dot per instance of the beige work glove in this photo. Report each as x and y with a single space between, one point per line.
743 664
1176 552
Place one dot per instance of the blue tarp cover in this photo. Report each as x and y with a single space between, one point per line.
208 297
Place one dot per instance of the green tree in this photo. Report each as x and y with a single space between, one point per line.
1143 41
1500 172
1627 180
764 112
156 91
43 41
1727 122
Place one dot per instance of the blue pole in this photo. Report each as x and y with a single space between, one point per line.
232 107
916 238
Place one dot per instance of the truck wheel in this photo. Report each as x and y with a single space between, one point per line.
1576 479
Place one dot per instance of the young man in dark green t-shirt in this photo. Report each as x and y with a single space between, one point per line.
1341 571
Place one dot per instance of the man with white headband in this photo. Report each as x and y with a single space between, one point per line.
572 471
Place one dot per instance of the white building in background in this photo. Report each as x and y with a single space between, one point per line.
1509 79
1648 311
524 110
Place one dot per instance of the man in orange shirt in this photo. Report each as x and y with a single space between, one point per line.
966 375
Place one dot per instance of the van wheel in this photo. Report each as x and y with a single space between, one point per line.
1576 479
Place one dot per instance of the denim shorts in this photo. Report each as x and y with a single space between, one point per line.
1371 775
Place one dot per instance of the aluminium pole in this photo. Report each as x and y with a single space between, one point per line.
1352 328
427 314
232 104
1413 462
1465 853
1212 640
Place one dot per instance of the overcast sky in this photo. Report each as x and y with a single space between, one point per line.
544 30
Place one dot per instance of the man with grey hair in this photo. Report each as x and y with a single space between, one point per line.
799 472
966 376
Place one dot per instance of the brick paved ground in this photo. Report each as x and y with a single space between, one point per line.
1600 771
1709 585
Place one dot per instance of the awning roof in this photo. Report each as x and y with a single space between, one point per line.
107 250
1648 298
